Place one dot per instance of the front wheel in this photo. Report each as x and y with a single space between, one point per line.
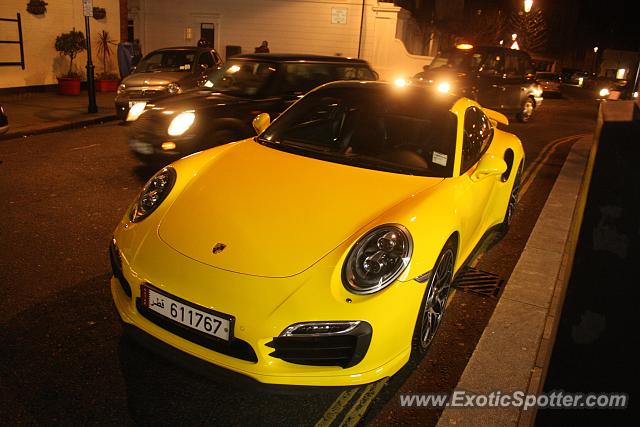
527 111
434 301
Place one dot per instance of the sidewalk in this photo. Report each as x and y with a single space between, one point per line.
33 113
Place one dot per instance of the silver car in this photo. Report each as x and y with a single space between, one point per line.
167 71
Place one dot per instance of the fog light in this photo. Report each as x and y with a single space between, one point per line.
168 145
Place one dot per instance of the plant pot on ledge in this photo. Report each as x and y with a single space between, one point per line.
69 85
107 82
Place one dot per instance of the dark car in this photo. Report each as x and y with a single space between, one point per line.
551 83
4 122
223 109
168 71
496 77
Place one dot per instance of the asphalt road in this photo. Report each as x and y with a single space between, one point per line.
63 359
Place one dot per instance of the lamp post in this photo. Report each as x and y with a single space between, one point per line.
595 61
87 8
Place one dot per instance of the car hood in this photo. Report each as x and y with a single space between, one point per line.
159 78
196 98
277 213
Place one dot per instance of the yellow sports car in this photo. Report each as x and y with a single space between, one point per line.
322 251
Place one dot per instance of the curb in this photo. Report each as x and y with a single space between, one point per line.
513 352
57 126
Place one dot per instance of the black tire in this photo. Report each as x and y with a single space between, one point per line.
526 111
513 200
434 301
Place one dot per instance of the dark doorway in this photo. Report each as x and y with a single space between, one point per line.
130 35
207 32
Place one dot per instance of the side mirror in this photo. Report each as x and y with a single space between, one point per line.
261 122
490 165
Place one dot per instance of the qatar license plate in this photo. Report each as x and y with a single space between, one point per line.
199 319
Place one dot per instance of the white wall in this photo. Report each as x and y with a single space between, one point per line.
42 62
290 26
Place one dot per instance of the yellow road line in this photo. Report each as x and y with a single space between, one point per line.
336 407
359 408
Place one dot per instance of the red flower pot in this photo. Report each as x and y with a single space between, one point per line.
68 86
107 85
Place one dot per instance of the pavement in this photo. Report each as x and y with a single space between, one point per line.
33 113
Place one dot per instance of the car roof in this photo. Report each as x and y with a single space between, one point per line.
190 48
500 49
445 100
295 57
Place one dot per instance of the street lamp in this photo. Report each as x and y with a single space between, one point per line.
527 5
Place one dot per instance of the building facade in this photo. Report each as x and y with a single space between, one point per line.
39 31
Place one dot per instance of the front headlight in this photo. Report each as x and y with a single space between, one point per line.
181 123
153 193
444 87
173 88
604 92
121 88
377 259
135 111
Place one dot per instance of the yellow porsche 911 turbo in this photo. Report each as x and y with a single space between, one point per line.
322 251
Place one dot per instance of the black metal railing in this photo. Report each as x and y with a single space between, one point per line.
18 21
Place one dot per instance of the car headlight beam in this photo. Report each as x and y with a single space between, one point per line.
377 259
604 92
153 193
181 123
444 87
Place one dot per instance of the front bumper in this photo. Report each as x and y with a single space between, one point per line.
267 308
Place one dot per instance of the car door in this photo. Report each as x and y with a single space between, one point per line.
515 82
490 81
477 190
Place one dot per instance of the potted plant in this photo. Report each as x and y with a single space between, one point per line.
70 44
106 81
99 13
36 7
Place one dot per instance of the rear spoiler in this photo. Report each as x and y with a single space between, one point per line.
496 117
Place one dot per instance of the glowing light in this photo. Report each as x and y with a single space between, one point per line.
595 49
464 46
635 94
233 69
135 111
604 92
580 81
168 145
444 87
400 82
527 5
181 123
514 36
515 46
620 73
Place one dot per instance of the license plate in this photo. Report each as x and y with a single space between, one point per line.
199 319
141 147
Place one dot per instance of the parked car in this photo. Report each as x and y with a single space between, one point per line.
322 251
4 121
222 110
610 89
551 83
496 77
168 71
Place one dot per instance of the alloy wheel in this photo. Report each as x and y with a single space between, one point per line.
436 300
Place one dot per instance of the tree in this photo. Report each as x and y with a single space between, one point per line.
70 44
531 29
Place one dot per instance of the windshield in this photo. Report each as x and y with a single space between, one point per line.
167 60
458 60
376 128
241 78
548 76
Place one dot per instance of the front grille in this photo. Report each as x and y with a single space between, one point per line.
235 347
116 267
343 350
147 93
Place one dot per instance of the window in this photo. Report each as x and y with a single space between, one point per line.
477 137
512 66
493 65
302 77
207 59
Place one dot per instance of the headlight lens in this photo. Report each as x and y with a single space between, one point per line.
121 88
135 111
153 193
181 123
444 87
173 88
604 92
377 259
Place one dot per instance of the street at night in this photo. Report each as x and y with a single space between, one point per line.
65 359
